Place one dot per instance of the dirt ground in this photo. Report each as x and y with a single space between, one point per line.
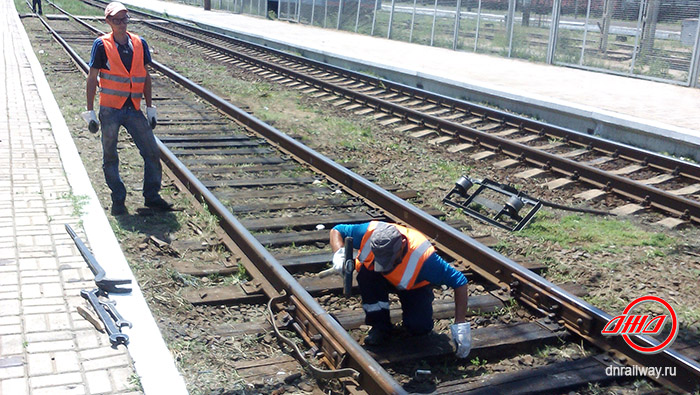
616 259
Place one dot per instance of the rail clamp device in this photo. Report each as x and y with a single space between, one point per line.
493 203
104 284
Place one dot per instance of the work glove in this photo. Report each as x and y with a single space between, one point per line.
339 260
151 116
91 119
462 336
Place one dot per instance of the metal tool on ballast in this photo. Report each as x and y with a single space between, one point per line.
105 284
115 335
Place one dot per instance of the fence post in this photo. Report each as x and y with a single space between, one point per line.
695 60
207 5
357 18
510 24
313 10
478 21
432 31
607 20
340 12
458 15
642 5
374 17
413 21
554 31
391 18
585 34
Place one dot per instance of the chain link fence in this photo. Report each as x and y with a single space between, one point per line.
652 39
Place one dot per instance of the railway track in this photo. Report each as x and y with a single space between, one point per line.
261 175
645 178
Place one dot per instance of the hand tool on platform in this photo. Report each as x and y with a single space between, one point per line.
343 264
105 284
111 307
114 332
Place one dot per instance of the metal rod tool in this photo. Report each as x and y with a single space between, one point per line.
105 284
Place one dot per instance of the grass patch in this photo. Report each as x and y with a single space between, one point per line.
77 201
592 234
77 8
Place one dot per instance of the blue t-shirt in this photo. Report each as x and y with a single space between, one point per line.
435 270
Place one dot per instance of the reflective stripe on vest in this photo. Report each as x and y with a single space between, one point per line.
115 78
372 307
404 275
413 261
117 85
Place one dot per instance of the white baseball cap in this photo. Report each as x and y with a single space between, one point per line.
113 8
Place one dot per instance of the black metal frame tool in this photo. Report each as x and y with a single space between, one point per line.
475 203
105 284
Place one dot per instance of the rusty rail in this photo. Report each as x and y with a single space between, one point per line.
645 194
530 289
339 348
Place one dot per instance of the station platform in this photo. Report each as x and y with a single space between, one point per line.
651 115
46 347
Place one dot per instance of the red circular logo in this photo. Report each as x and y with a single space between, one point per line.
671 336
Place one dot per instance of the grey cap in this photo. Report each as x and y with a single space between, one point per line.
386 243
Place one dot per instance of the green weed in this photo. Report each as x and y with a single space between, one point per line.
592 234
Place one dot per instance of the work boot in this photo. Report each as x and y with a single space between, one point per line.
159 204
376 337
119 208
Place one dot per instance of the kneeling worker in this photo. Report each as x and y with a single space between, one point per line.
395 258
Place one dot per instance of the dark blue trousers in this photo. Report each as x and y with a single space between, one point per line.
416 304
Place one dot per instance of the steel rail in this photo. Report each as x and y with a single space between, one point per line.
649 158
529 288
645 194
345 350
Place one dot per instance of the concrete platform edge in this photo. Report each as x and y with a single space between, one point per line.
152 359
645 134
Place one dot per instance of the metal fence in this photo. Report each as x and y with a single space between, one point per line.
652 39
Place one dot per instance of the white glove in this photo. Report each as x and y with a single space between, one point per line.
91 119
339 260
462 336
152 116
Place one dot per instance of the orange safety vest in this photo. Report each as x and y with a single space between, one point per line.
403 276
117 84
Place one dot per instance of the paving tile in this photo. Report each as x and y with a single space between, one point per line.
54 380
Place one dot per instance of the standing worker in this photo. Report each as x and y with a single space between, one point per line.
119 59
395 258
34 4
